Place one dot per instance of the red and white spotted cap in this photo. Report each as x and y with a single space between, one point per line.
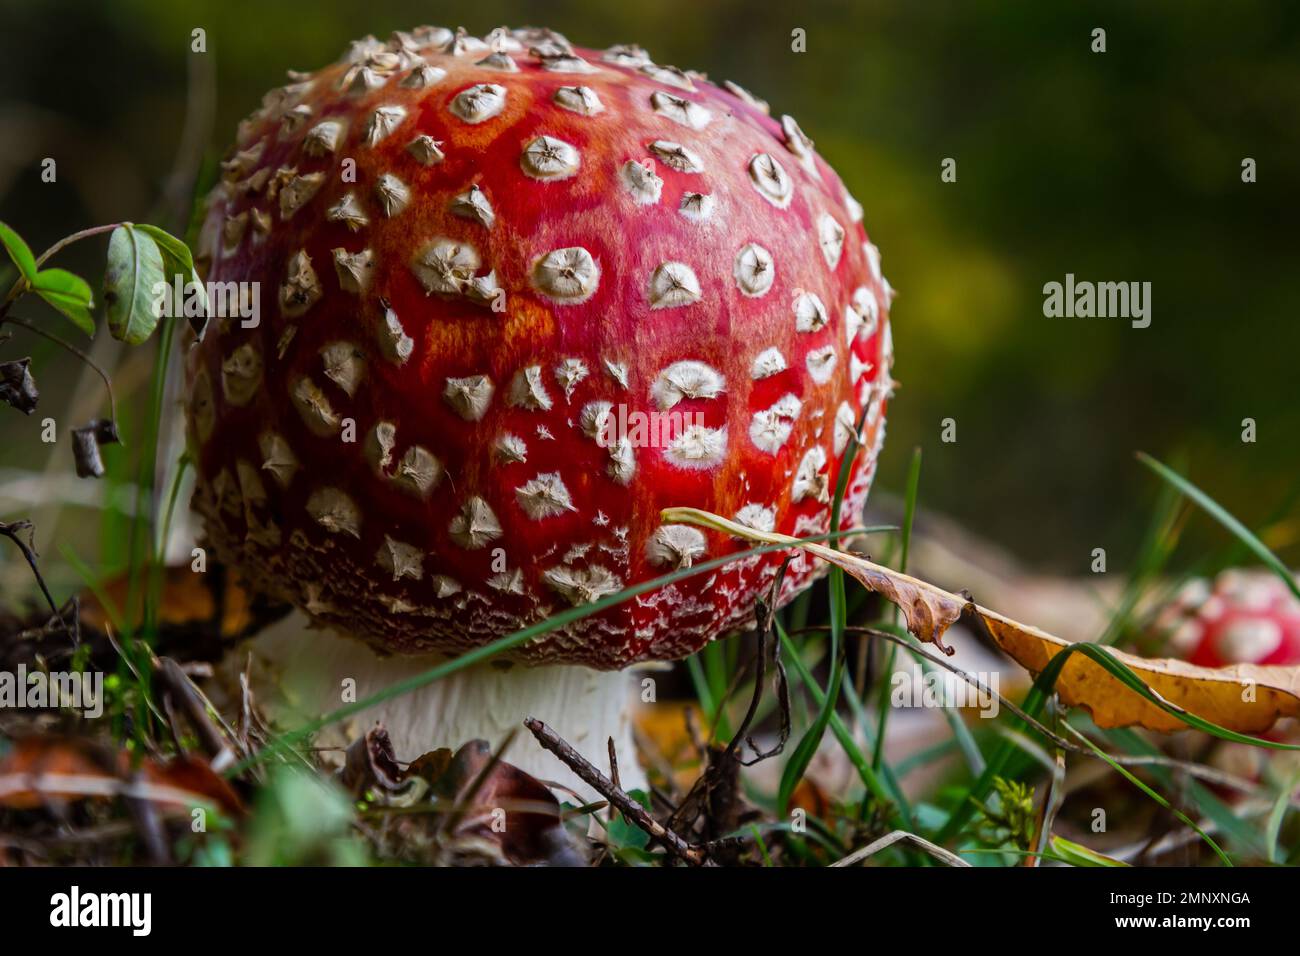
1243 617
476 254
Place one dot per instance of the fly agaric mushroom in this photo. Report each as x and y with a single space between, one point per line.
1243 617
491 260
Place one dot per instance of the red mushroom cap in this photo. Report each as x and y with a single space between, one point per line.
1245 617
1242 617
482 253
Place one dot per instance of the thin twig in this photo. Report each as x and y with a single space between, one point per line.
69 347
613 764
760 673
1052 801
10 531
145 815
889 839
715 792
75 237
693 733
766 614
552 741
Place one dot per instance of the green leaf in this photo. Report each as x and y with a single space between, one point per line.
63 282
623 834
19 252
70 294
178 261
806 749
73 309
135 268
171 247
1076 854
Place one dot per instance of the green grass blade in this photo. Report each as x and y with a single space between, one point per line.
700 682
758 841
1157 547
145 520
1127 775
965 740
1043 688
870 779
806 749
1242 835
714 660
1274 826
925 757
1221 515
885 770
909 516
93 585
1076 854
798 763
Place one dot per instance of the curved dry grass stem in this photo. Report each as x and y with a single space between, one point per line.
901 836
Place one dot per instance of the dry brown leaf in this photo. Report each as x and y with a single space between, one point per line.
531 828
370 762
496 806
38 769
1245 698
929 610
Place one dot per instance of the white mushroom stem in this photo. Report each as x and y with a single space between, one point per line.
301 672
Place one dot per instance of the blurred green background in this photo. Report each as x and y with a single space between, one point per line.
1121 166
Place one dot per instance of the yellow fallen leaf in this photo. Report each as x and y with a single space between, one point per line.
1245 698
188 600
664 731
